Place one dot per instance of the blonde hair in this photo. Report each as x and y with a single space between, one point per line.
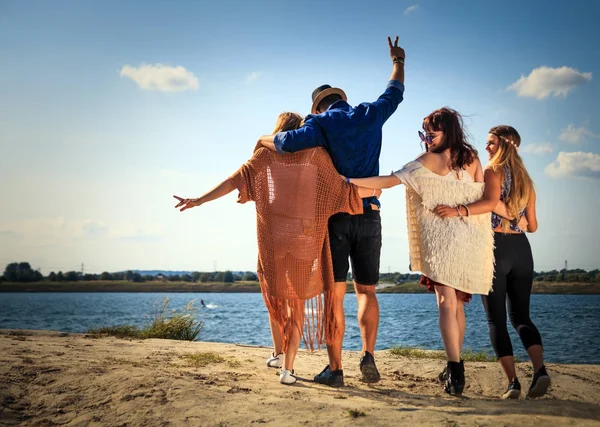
507 155
288 121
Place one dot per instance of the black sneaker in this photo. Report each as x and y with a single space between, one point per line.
443 376
513 391
369 371
539 383
330 378
456 378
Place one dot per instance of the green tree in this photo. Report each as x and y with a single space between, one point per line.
106 276
195 276
129 275
21 272
60 277
228 277
71 276
52 276
220 276
206 277
249 276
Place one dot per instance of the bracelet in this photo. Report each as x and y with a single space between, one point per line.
467 209
348 180
397 60
458 210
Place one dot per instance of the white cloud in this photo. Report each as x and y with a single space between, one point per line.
540 148
575 135
545 81
162 78
252 76
411 9
578 164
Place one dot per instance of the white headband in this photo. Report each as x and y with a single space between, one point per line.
510 141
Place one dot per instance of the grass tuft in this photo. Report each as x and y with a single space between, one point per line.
163 323
355 413
200 360
417 353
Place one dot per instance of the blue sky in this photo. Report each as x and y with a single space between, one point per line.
108 108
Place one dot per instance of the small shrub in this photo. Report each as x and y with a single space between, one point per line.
174 325
355 413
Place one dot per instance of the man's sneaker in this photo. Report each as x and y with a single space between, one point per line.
287 377
539 383
275 361
369 371
330 378
513 391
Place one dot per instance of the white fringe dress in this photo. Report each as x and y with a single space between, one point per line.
451 251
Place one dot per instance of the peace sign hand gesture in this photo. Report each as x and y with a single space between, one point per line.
187 203
396 51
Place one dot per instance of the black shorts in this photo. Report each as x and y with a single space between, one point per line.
357 237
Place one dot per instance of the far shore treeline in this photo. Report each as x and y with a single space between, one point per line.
21 272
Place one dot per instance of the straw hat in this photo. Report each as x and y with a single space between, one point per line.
323 92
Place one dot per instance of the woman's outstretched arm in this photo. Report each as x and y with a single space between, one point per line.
220 190
377 182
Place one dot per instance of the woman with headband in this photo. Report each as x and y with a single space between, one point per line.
513 277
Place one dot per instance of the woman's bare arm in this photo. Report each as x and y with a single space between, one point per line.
530 215
501 210
219 191
489 200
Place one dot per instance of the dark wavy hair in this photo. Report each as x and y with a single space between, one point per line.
451 123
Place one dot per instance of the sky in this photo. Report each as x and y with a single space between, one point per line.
108 108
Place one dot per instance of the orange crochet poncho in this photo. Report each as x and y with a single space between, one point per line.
295 194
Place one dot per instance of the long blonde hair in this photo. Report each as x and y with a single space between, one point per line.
288 121
507 155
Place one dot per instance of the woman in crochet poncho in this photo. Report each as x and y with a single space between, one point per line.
295 194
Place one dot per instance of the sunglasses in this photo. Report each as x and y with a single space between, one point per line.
425 138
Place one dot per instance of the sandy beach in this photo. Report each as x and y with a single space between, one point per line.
52 378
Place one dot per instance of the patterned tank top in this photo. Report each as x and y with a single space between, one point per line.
506 186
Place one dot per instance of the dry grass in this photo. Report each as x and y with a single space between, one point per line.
417 353
200 360
162 323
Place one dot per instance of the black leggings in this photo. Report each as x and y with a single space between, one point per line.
513 279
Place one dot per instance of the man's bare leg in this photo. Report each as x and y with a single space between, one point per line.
335 349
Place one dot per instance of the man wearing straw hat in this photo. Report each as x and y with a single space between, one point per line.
353 138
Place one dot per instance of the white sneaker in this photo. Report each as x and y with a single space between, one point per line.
275 361
287 377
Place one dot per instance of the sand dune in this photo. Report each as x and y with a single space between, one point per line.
50 378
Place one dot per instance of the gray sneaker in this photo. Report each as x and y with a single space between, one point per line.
369 371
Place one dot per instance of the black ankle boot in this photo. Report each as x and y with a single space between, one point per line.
456 378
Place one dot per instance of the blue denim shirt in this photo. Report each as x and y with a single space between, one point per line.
351 135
